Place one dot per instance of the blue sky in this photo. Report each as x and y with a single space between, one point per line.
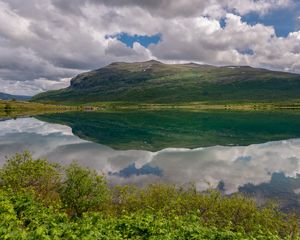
284 20
129 40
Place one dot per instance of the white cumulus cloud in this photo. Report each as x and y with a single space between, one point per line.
51 40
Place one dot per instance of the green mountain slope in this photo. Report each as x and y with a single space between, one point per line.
155 82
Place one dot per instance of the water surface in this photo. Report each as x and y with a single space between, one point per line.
157 130
255 153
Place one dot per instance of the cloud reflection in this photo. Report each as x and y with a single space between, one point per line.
206 167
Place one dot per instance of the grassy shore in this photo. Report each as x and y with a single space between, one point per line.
243 106
12 108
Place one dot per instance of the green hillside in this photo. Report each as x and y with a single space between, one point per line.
156 82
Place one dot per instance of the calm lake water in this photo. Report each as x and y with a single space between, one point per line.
254 153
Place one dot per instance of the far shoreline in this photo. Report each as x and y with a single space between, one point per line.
12 108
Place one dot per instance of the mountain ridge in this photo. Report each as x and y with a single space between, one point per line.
156 82
6 96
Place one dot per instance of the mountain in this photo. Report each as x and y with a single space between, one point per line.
5 96
156 82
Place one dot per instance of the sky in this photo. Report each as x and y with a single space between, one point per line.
44 43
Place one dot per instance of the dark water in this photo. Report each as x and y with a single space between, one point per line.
154 131
254 153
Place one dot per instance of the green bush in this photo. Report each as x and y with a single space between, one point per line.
236 213
22 171
23 217
86 208
83 190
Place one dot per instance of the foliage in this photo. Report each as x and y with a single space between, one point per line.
22 217
89 209
83 189
22 171
236 213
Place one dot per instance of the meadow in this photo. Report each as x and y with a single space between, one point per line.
12 108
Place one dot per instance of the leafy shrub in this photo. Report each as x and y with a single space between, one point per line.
22 171
236 213
23 217
158 211
83 190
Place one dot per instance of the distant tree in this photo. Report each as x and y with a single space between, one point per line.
8 107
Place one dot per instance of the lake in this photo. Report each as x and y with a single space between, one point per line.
254 153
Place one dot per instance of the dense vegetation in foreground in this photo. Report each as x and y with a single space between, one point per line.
42 200
156 82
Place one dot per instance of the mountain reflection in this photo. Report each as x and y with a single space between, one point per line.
157 130
251 169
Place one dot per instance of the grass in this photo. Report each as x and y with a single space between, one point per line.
11 108
41 200
220 105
